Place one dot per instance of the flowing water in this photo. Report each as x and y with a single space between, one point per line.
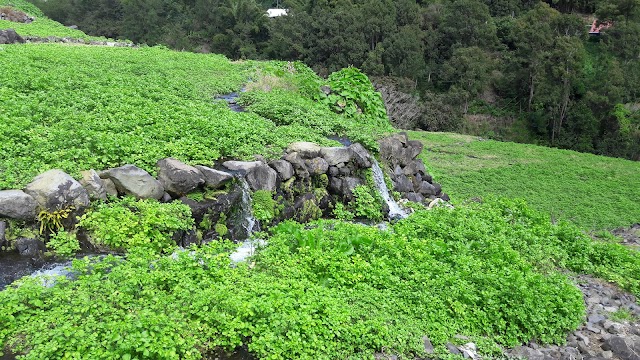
248 224
395 211
232 100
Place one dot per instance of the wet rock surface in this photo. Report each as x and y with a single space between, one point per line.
611 329
630 236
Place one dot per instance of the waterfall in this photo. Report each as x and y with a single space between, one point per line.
248 223
395 211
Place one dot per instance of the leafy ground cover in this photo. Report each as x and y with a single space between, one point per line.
326 290
41 26
595 192
76 108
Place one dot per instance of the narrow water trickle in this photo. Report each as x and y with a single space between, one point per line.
395 211
248 223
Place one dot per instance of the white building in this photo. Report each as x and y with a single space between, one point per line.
276 12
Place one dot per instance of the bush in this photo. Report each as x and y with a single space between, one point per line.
63 244
130 223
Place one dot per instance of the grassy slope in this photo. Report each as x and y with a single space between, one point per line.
41 26
595 192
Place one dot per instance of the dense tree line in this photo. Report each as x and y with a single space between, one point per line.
515 69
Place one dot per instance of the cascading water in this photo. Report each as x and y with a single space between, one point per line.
248 223
395 211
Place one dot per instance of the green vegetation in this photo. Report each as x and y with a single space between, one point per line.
508 69
63 244
264 207
594 192
77 108
326 290
41 26
127 224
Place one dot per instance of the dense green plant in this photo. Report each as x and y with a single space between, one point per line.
366 204
493 271
63 244
341 212
265 207
130 223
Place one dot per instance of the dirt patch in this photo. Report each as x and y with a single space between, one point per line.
11 14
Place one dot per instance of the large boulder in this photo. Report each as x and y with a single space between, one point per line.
16 204
298 164
403 184
56 189
316 166
348 185
262 177
3 238
360 155
177 177
307 150
283 168
415 148
131 180
214 179
29 247
241 166
336 155
9 36
110 187
94 185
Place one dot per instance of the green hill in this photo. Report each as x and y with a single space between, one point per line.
595 192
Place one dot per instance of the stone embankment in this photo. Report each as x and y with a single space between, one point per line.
306 183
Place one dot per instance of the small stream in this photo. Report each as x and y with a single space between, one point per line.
248 223
232 100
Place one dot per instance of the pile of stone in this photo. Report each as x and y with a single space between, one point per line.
611 329
9 36
408 173
70 40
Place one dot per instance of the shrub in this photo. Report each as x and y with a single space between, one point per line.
64 244
130 223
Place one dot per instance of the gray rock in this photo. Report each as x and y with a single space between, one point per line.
527 353
29 247
427 189
596 318
415 148
241 166
110 187
348 184
428 347
262 177
307 150
177 177
131 180
316 166
333 171
360 155
9 36
3 231
345 171
415 197
403 184
390 149
298 164
55 189
94 185
336 155
335 185
623 348
214 179
453 349
16 204
283 168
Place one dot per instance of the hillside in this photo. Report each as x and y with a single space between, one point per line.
481 277
595 192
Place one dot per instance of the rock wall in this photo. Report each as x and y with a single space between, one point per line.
304 184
